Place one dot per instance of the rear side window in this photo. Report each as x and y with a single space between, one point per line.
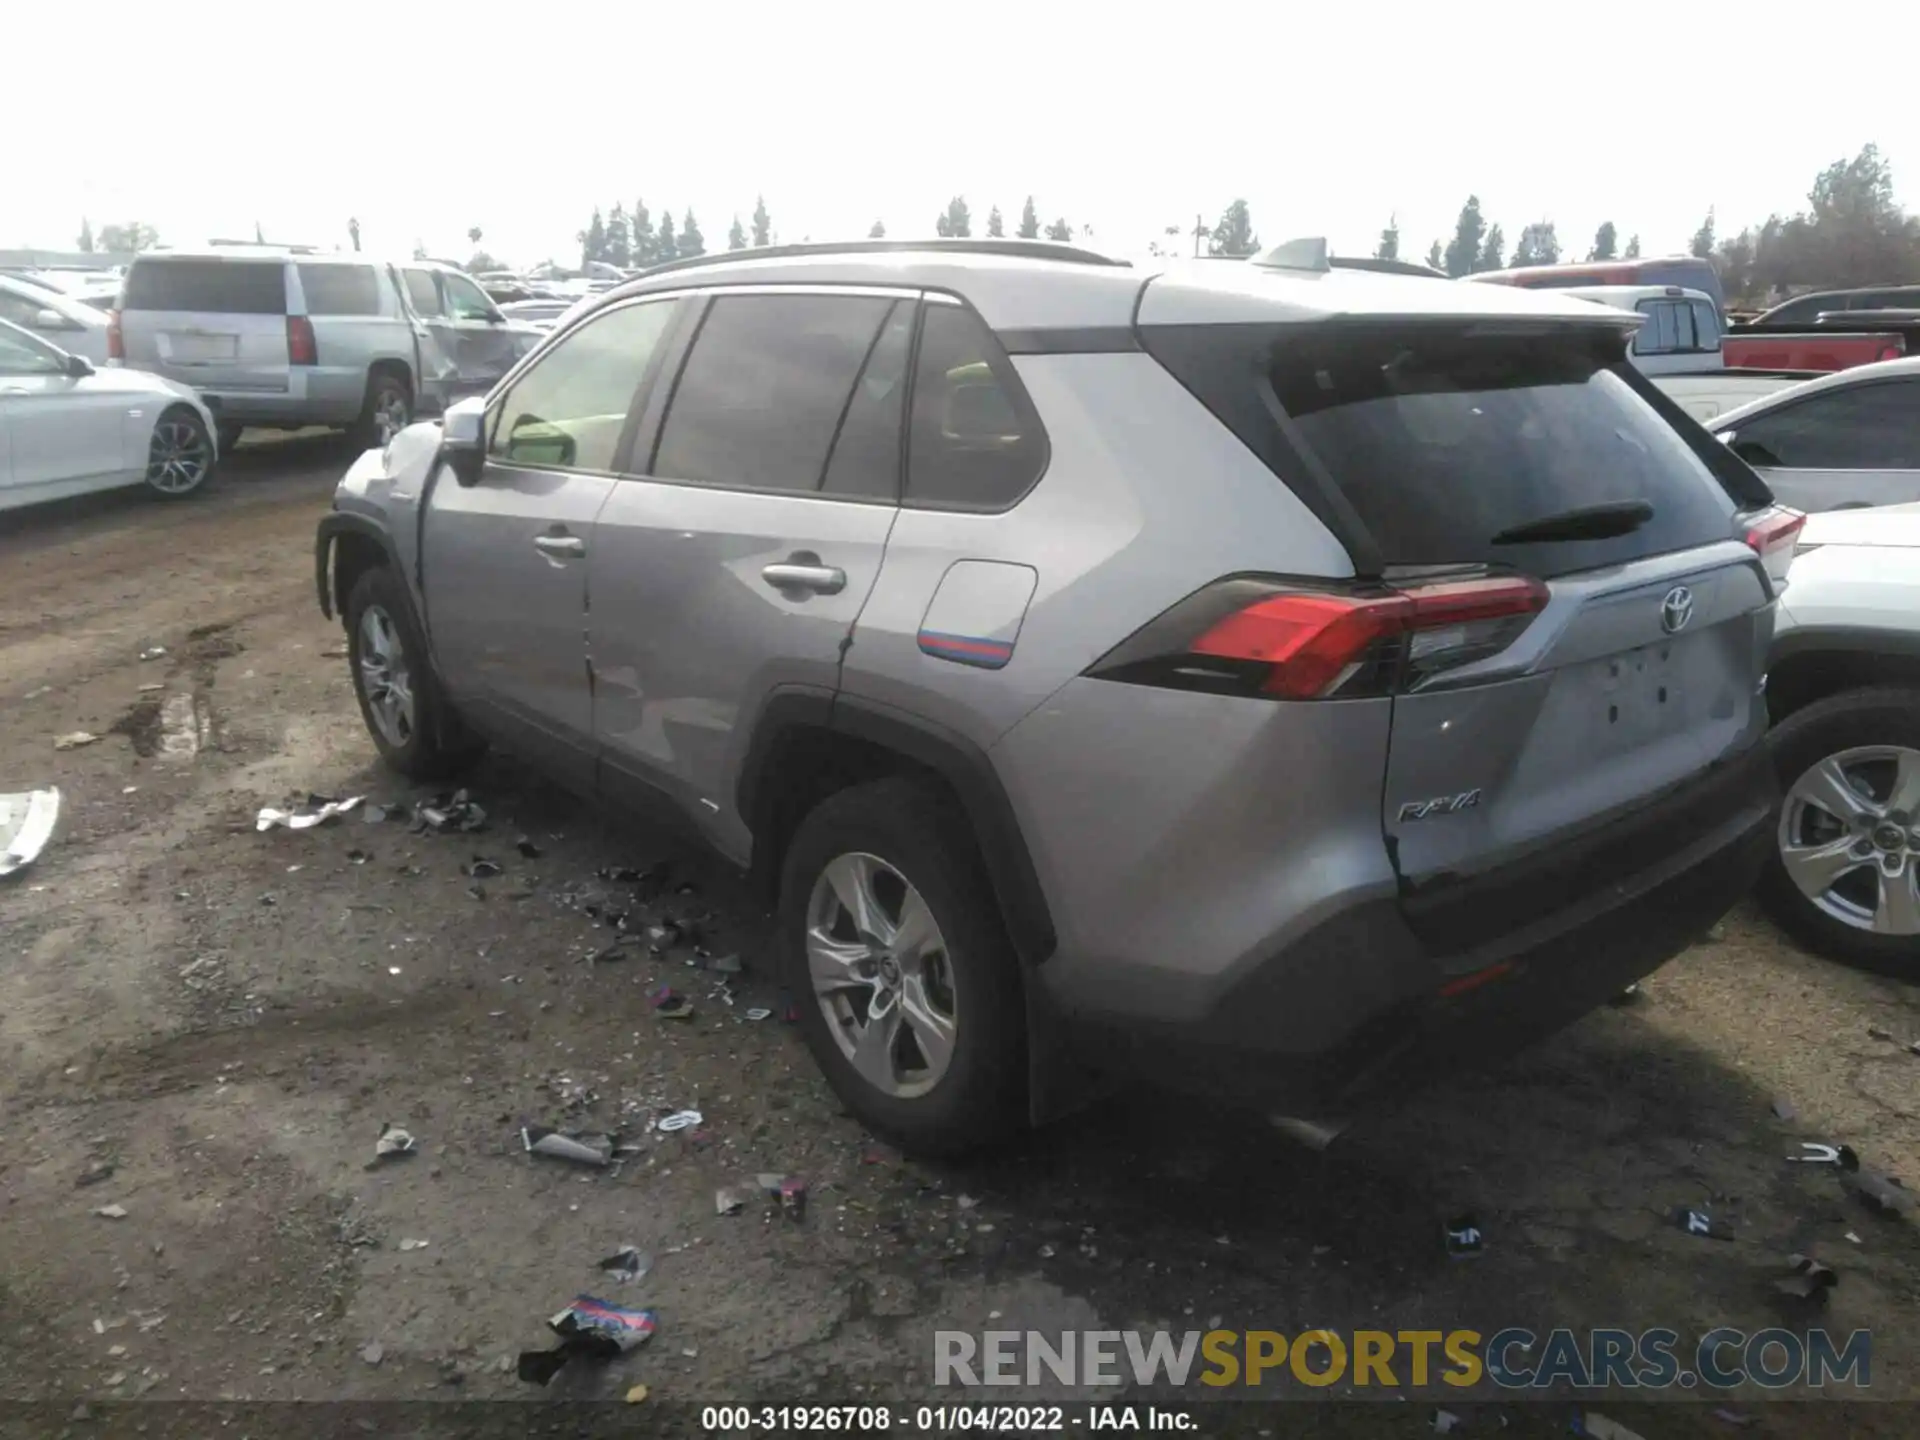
1867 427
975 441
221 287
340 289
423 294
762 393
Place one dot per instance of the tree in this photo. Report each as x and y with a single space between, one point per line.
640 227
1436 257
1060 230
1606 242
762 223
1538 245
1491 252
1702 246
619 239
353 232
86 235
1633 248
737 235
473 234
1463 254
692 242
1389 246
664 246
996 228
1734 259
480 262
879 230
1029 221
957 223
135 236
1233 234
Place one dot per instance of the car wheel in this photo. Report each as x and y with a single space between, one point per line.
229 436
388 410
908 990
180 454
411 723
1844 877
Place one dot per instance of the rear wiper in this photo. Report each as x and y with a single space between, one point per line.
1590 522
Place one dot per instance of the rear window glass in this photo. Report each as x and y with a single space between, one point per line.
222 287
1442 444
340 289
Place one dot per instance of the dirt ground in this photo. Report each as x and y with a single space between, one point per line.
208 1027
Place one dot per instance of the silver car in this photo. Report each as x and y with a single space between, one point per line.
1266 678
289 339
1841 442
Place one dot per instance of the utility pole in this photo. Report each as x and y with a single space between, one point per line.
1199 235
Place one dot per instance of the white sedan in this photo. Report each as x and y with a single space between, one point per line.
1846 440
58 318
69 429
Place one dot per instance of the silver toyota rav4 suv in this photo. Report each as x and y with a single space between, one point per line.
1266 677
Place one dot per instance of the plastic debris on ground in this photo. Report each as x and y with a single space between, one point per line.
1445 1422
636 1394
74 740
627 1264
664 936
373 1353
318 810
590 1329
596 1150
26 825
445 813
1738 1418
1809 1279
415 1244
1628 996
1841 1157
153 652
680 1120
1701 1222
95 1174
728 1202
1465 1240
759 1012
725 964
111 1212
481 868
1599 1427
1879 1191
528 850
669 1005
391 1143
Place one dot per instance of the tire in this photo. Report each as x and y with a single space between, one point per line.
388 409
431 744
229 436
180 456
916 837
1863 733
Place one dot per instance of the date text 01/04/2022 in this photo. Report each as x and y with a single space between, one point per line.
941 1419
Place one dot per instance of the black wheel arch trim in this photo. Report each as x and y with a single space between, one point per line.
332 527
956 759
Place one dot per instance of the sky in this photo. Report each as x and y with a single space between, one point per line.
203 118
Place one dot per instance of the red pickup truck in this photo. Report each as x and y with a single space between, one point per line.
1824 349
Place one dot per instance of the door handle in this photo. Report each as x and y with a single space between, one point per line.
561 546
821 579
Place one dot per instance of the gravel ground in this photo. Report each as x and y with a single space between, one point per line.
208 1027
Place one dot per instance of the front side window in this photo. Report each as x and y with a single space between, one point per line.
21 354
569 409
975 441
465 301
1864 427
762 393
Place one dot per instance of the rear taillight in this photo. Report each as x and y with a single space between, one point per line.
1289 642
116 342
1772 534
1891 352
301 347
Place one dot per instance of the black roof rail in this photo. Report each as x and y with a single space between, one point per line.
1017 249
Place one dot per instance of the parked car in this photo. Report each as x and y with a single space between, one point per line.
1038 632
1842 441
1688 271
541 314
1806 309
1821 348
59 319
1844 689
286 340
67 428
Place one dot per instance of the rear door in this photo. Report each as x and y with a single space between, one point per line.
1640 669
1840 448
506 564
738 559
211 322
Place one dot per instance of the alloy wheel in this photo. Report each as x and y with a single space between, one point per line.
881 975
384 676
177 457
1850 838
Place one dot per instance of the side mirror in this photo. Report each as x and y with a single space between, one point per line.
53 320
79 367
463 439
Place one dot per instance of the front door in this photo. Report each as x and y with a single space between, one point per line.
63 430
506 559
484 345
740 563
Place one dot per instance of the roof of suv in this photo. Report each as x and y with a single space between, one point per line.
1033 286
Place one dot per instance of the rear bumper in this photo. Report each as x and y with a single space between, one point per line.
1441 1012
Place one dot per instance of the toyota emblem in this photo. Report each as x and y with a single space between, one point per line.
1676 609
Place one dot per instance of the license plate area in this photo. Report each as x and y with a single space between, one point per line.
1643 695
194 349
